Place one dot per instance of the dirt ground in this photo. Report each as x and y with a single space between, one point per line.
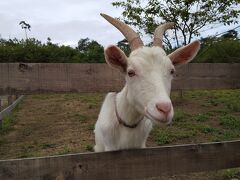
63 123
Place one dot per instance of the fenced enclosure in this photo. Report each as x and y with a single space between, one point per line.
127 164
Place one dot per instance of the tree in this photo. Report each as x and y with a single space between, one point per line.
25 26
124 45
92 51
231 34
189 16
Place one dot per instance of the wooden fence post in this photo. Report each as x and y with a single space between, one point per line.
10 100
0 104
0 111
180 93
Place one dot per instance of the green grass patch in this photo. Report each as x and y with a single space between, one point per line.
229 174
180 116
230 122
45 96
91 127
89 148
66 150
206 129
88 98
48 145
7 123
201 117
167 135
80 117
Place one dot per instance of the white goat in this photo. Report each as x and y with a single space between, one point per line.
126 118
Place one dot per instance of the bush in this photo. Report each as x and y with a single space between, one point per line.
34 51
219 51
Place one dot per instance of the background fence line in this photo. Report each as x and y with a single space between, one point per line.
18 78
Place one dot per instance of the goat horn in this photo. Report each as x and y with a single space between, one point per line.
159 32
132 37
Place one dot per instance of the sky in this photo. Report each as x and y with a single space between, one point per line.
64 21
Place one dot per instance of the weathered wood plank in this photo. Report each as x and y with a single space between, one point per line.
39 78
126 164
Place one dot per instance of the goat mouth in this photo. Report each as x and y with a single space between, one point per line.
150 116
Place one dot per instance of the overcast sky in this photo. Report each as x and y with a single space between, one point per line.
64 21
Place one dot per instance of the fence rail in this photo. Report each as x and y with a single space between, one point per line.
126 164
11 105
18 78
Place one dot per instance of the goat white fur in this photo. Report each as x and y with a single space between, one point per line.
144 100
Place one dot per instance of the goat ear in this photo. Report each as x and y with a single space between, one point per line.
115 57
185 54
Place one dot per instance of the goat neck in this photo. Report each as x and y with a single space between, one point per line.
126 110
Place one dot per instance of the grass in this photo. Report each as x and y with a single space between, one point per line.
201 117
89 147
230 122
229 174
206 116
53 124
48 145
7 123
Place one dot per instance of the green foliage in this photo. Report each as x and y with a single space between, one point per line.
92 51
219 50
229 174
89 148
201 117
124 46
7 122
180 116
34 51
230 122
189 16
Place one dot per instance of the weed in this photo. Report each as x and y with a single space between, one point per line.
43 97
164 137
91 127
7 123
201 117
213 102
234 106
230 122
229 174
48 145
89 148
180 115
65 150
80 117
170 135
208 130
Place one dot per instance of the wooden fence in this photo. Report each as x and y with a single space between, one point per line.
11 104
126 164
39 78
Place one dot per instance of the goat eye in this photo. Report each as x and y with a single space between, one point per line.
172 71
131 73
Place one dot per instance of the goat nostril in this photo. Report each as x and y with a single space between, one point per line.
163 107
